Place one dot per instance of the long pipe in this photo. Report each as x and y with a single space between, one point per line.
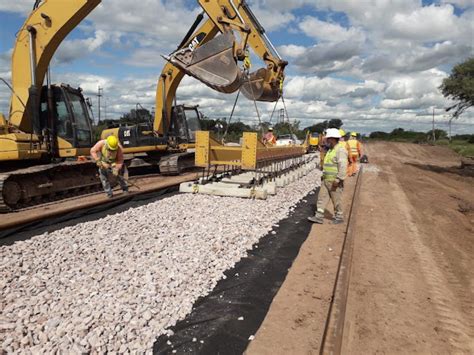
237 11
272 46
165 109
257 24
32 33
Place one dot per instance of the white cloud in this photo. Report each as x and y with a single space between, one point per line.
21 6
71 50
377 70
463 4
427 24
273 18
330 32
292 51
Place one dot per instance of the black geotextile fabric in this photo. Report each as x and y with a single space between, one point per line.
246 293
26 231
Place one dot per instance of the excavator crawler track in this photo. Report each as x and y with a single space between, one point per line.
175 164
44 183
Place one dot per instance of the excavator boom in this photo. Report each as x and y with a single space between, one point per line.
36 43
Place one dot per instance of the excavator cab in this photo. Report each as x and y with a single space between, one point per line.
69 120
185 121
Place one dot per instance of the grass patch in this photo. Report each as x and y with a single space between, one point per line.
462 147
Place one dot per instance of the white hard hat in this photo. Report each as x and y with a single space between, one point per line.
333 133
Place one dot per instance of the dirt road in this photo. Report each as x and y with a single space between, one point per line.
412 281
412 284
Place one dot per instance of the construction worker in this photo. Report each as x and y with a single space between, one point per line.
108 155
334 173
269 138
344 144
355 153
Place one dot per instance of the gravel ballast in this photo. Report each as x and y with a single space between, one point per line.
116 284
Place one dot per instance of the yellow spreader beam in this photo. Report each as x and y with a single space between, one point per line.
251 155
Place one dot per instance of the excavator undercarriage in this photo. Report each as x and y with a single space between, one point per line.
44 183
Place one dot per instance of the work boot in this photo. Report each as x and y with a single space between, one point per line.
337 220
316 219
125 193
110 195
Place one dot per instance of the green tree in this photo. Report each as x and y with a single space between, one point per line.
335 123
318 127
288 128
459 87
139 115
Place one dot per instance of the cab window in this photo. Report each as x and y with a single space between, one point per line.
81 119
64 124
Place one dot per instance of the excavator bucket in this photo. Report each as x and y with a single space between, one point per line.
213 63
256 87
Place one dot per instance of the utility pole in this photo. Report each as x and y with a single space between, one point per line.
99 95
449 124
434 135
105 108
281 118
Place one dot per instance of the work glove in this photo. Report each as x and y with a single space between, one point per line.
99 164
105 165
335 185
115 171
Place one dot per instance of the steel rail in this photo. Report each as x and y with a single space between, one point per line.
24 217
333 335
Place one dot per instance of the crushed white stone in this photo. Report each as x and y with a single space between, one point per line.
116 284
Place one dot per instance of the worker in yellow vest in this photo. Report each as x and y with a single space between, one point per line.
108 155
334 173
355 153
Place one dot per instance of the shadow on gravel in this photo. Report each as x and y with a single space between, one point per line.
223 321
24 232
457 170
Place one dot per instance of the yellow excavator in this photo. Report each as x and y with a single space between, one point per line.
50 124
46 123
211 54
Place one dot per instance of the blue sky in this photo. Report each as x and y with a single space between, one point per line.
374 64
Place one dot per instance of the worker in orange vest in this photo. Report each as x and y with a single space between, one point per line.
355 152
269 138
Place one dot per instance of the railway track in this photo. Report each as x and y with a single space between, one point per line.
142 185
333 336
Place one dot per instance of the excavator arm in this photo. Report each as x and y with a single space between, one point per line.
211 55
265 83
37 41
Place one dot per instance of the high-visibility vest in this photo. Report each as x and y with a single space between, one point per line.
270 138
330 164
344 145
108 156
354 147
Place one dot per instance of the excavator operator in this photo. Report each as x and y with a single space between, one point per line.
108 155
